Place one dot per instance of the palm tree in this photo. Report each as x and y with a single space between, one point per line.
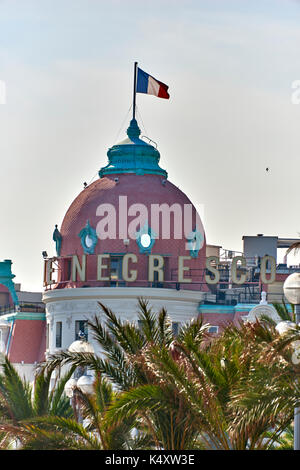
272 388
195 386
232 391
183 392
20 403
124 345
57 433
285 441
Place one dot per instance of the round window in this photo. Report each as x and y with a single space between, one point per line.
88 241
145 240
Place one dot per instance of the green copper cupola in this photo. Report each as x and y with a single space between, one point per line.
133 155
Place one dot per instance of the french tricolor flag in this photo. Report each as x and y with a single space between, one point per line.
147 84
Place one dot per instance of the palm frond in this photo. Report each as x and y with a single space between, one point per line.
15 393
141 398
294 247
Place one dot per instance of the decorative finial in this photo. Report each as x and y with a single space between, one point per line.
133 130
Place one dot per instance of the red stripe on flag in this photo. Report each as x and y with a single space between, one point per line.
163 91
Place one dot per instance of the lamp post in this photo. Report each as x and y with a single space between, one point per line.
81 379
291 289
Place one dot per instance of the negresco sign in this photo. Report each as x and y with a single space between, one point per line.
156 268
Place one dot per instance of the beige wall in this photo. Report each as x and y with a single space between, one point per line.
275 292
213 250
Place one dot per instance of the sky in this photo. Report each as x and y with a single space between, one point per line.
68 71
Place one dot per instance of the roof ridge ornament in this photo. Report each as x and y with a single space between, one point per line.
133 130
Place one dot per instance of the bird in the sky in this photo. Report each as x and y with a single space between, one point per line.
267 169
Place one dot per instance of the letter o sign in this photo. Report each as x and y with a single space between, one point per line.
263 269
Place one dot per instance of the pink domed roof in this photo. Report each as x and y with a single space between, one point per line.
131 202
138 189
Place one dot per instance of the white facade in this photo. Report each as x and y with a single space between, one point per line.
80 304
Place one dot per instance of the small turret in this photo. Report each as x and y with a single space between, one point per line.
133 155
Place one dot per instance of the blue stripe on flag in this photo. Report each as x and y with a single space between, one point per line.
142 81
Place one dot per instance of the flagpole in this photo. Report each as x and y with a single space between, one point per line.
134 90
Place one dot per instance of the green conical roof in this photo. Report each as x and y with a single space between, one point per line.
133 155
